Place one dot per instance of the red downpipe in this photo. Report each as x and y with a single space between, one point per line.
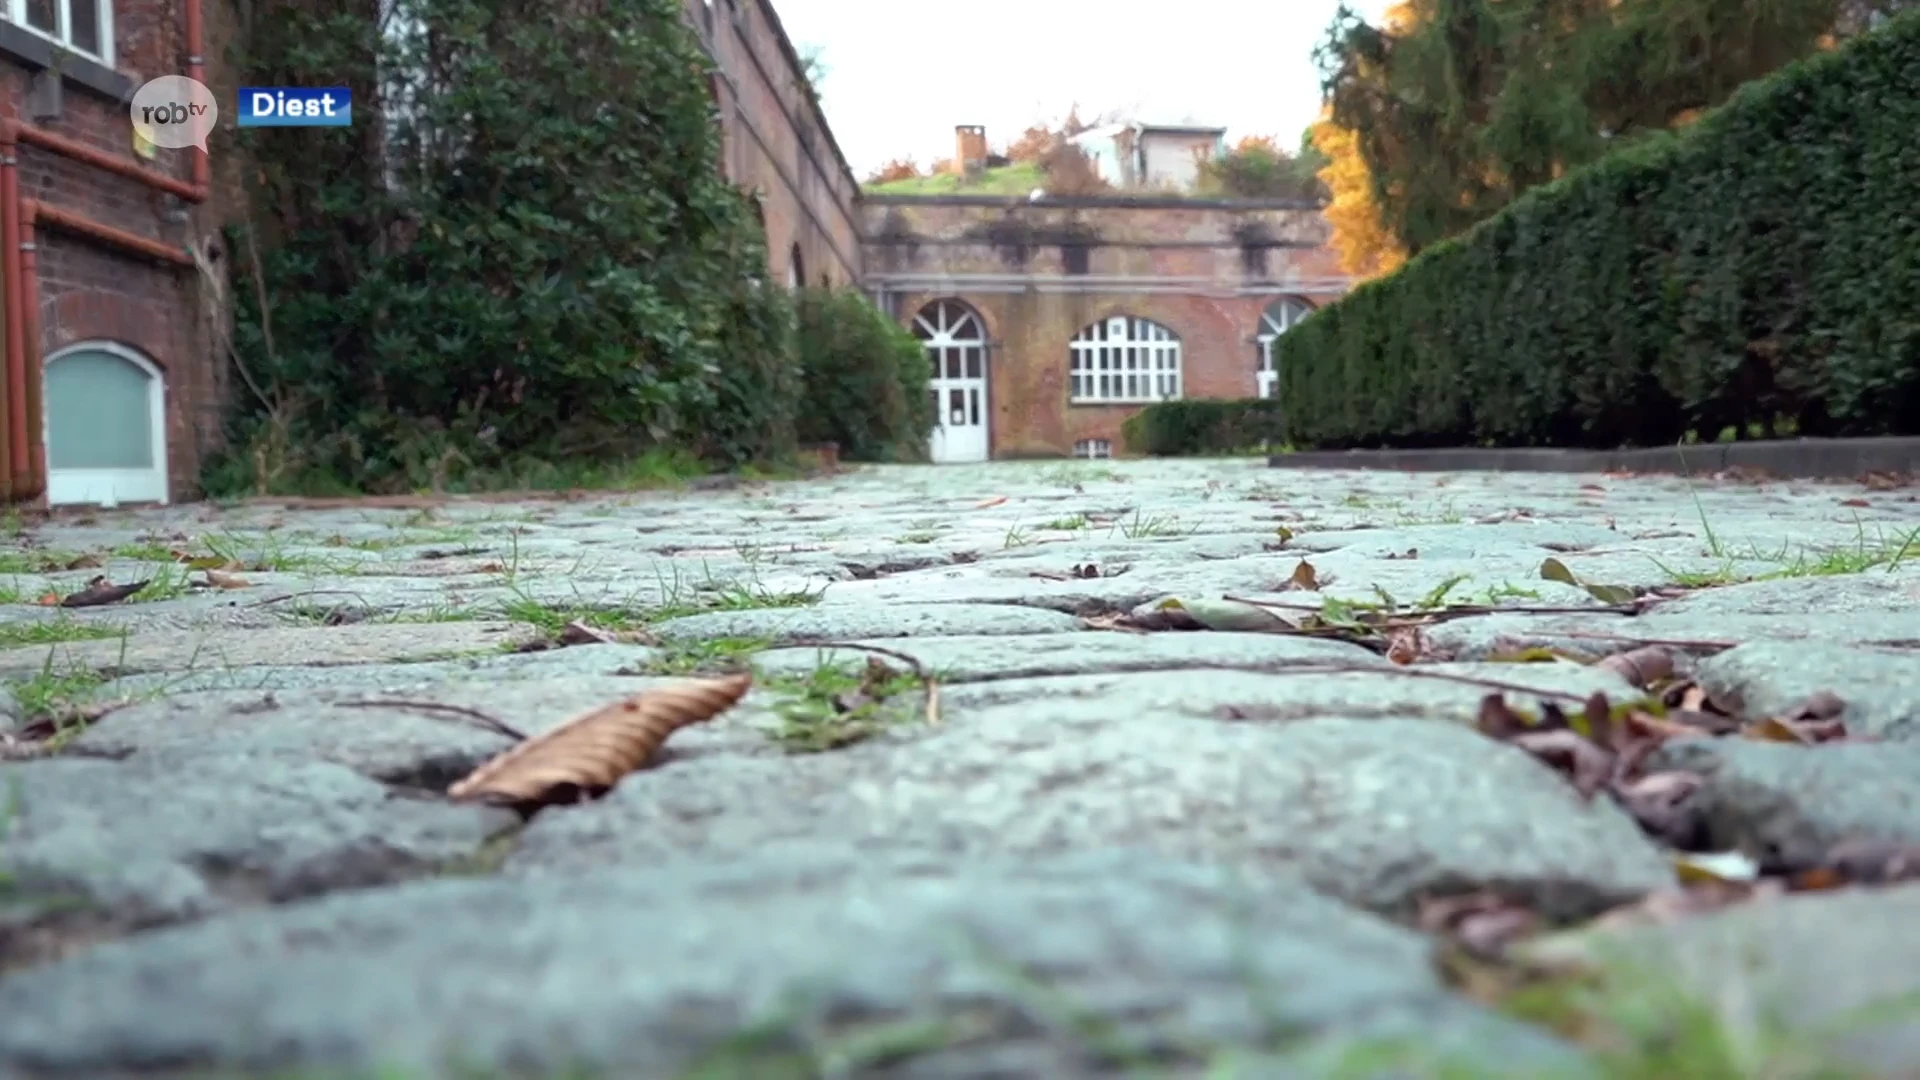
22 452
18 467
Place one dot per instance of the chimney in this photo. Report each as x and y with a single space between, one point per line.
969 149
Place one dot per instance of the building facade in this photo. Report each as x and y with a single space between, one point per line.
112 391
1049 322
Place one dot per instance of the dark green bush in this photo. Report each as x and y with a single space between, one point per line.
1759 266
1202 426
866 379
535 260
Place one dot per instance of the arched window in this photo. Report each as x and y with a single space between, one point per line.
1281 316
1124 360
106 426
956 344
796 269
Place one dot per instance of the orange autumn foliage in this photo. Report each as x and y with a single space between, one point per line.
1366 248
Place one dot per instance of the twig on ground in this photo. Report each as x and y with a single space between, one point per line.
500 727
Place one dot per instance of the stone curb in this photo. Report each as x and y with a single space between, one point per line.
1805 458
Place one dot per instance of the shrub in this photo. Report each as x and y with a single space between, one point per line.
866 379
533 257
1756 266
1202 426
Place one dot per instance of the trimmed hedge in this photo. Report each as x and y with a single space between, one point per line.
1761 265
1202 426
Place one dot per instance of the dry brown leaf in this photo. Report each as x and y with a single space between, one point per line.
1406 645
1641 666
1776 729
1304 578
1867 862
1663 804
1485 923
221 580
101 592
582 633
1819 705
589 754
1855 502
1588 766
985 504
1882 481
85 562
1497 720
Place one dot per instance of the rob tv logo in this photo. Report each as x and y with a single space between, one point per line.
296 106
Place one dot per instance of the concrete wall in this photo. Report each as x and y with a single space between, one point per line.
1037 273
93 292
1173 158
776 143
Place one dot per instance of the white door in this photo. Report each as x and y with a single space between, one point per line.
956 345
105 416
1280 317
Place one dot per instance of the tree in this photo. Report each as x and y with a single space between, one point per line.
897 169
1458 106
1366 248
1256 168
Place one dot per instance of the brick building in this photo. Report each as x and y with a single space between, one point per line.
1049 322
112 392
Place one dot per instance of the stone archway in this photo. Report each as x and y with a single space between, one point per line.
956 342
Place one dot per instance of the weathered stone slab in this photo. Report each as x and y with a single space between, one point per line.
641 972
991 656
220 648
1375 811
1881 687
841 622
161 837
1828 977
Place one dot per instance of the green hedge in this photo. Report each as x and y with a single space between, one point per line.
1762 264
865 378
1202 426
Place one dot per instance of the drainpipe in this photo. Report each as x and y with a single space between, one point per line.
23 455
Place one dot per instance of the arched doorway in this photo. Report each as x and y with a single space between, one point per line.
106 432
956 344
1281 316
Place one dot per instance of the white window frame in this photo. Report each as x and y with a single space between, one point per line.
1093 448
1291 310
15 12
1123 360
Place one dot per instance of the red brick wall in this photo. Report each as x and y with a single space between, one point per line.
93 292
776 143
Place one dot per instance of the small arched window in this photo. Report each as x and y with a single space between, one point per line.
796 269
1124 360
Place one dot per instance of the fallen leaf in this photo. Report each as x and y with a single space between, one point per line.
1819 705
1406 645
1555 570
1113 620
49 600
1663 804
1587 765
1724 867
220 580
1497 720
1231 615
1304 578
587 755
1855 502
984 504
583 633
1640 667
1881 481
1285 534
85 562
1086 570
100 592
1485 923
1592 487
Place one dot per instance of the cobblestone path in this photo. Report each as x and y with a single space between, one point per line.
1180 852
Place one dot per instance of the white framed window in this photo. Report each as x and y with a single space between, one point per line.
85 26
1281 316
1124 360
1093 448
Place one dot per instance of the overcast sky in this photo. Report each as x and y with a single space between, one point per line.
902 73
